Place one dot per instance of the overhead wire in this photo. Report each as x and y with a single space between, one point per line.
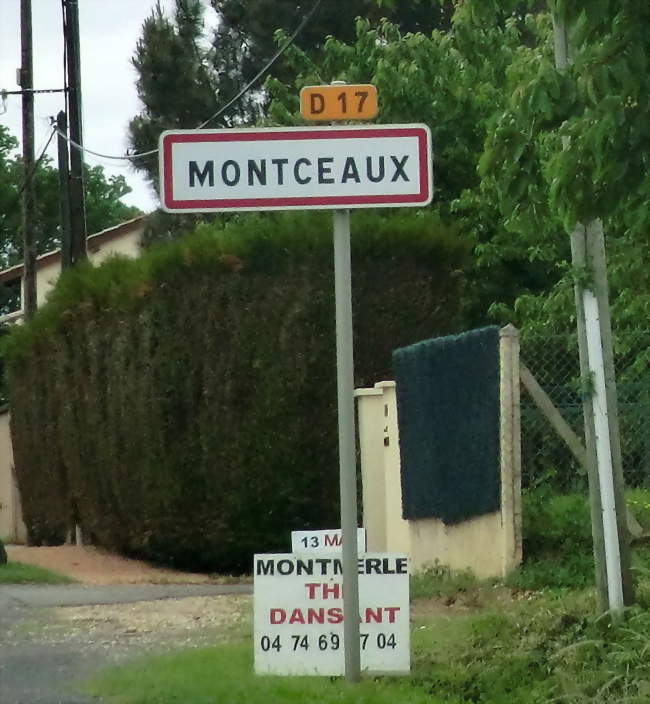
30 174
140 155
46 136
288 42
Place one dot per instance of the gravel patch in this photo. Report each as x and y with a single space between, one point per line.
44 653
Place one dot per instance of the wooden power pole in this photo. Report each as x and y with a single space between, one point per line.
28 224
76 190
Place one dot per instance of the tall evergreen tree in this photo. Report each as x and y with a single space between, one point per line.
244 24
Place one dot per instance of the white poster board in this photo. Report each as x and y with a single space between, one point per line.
298 614
324 540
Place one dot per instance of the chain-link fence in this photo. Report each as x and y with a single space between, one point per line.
554 362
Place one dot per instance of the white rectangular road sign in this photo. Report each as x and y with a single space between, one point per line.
295 168
298 614
324 540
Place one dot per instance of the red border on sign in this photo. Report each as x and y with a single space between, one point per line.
168 140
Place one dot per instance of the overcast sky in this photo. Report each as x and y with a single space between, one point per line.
109 30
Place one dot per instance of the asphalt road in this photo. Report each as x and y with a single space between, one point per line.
43 595
34 672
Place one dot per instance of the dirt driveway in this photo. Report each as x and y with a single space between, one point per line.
91 565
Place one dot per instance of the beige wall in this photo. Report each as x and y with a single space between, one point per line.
12 528
489 545
127 245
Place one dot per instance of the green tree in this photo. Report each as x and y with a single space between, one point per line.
457 83
244 26
103 205
186 74
498 110
542 185
176 84
454 81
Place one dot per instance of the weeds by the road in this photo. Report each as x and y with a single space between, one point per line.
548 649
19 573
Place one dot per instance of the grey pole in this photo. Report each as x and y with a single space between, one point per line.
76 190
28 222
347 449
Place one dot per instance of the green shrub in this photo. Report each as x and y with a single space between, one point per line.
558 551
638 501
555 523
557 542
182 407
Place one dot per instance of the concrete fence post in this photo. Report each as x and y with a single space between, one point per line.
397 527
510 444
370 414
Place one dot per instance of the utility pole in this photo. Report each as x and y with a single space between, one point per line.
29 232
604 463
76 190
64 188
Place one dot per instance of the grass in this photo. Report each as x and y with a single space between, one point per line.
639 502
529 651
542 650
20 573
439 581
224 674
537 639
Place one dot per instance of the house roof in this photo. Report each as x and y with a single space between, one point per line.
93 241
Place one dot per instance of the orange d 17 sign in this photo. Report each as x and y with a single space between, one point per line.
339 102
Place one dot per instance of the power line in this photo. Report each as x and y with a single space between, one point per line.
30 174
270 63
140 155
46 136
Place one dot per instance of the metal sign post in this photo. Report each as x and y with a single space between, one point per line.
347 448
298 168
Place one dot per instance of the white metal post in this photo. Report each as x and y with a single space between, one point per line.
603 452
347 449
606 492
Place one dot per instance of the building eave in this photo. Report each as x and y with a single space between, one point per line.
93 242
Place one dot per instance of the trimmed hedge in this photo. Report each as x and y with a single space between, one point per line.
182 407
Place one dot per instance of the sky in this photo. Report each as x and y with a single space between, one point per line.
109 30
